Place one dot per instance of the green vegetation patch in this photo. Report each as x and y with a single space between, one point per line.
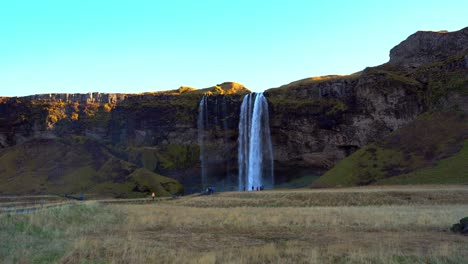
147 181
60 166
165 157
449 170
441 85
432 149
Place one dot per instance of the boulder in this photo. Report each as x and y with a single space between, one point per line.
464 221
465 230
461 227
456 228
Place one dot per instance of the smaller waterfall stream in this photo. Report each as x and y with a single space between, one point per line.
202 124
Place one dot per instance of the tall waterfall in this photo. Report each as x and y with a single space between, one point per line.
202 124
255 149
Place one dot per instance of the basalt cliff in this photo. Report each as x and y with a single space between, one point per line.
383 124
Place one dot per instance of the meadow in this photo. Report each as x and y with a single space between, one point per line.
385 224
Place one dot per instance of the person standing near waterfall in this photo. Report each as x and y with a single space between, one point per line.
153 195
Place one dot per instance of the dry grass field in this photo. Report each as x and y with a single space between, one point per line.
407 224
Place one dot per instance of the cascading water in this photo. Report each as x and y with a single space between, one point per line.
255 148
202 123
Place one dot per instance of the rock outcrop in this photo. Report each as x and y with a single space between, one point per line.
101 98
461 227
425 47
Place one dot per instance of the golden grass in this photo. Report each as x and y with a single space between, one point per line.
316 79
355 196
178 231
292 219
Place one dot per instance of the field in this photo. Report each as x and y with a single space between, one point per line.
408 224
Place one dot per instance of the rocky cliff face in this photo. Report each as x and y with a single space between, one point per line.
314 122
425 47
101 98
160 133
155 131
318 121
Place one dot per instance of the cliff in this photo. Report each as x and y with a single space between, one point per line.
156 131
426 47
100 98
315 122
430 145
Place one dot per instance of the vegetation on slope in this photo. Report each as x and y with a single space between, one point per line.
432 149
453 169
165 157
59 166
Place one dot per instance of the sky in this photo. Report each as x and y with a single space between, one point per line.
80 46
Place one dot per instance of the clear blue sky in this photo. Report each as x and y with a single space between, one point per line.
79 46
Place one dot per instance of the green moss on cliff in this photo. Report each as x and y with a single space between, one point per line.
165 157
444 84
330 108
392 74
431 149
147 181
75 166
177 156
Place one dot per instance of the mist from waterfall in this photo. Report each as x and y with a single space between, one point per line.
255 148
212 125
202 124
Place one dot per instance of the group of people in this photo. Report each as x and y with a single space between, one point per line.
209 190
258 188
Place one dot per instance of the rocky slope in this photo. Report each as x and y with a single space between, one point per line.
315 122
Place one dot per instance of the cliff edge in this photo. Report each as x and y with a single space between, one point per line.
425 47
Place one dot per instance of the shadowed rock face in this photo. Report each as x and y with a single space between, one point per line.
334 118
314 122
425 47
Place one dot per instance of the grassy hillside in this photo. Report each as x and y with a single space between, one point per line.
432 149
79 165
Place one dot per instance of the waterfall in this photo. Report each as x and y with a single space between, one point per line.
255 148
227 152
202 123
